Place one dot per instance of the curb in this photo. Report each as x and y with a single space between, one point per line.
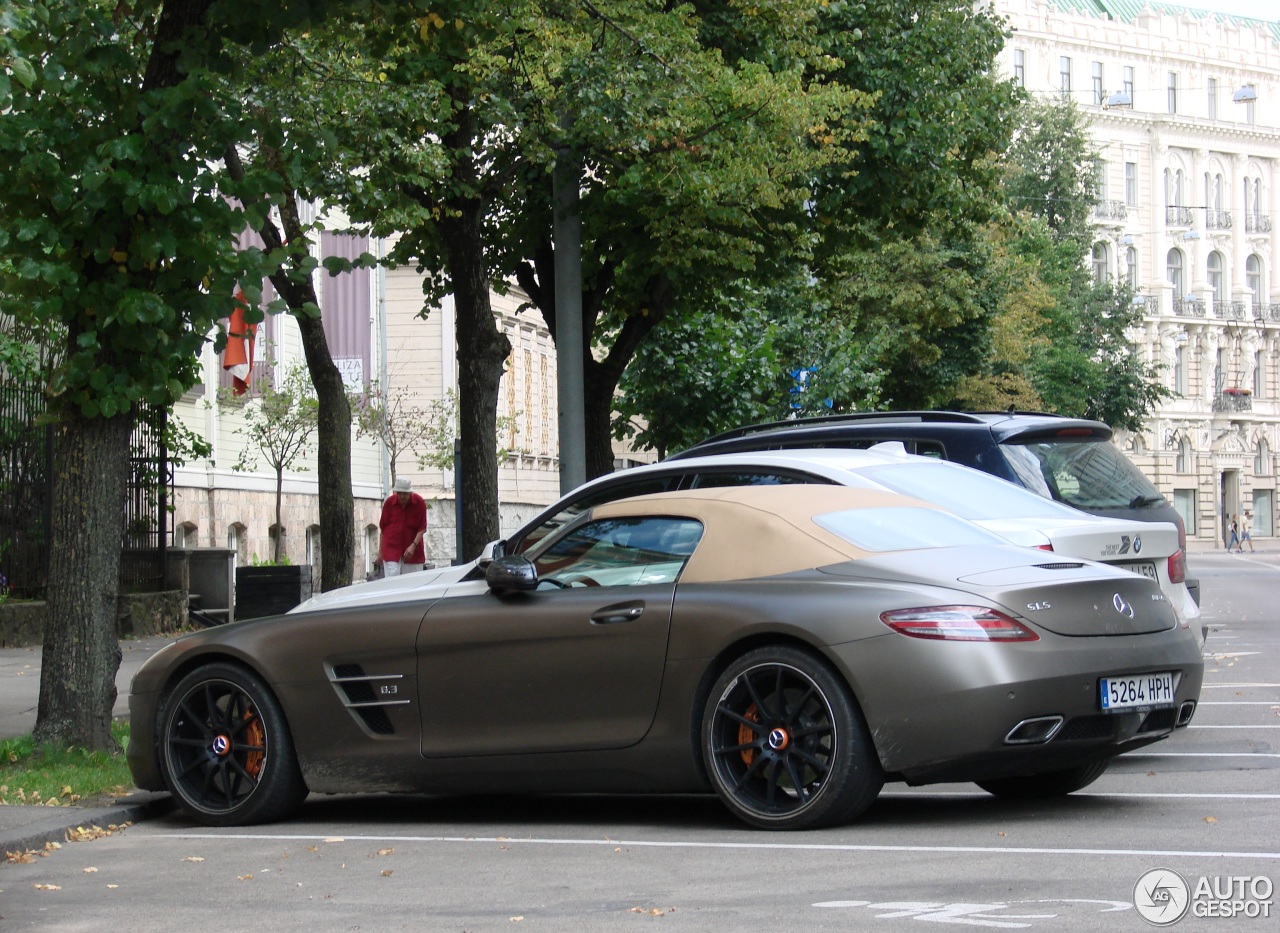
54 828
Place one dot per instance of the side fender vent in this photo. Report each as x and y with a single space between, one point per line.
367 696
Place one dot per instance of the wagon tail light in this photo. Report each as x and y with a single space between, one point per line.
1178 559
957 623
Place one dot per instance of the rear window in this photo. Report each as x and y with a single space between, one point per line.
966 492
904 528
1086 474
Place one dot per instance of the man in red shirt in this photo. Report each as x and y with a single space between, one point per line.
403 523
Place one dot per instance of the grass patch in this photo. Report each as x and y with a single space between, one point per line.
59 777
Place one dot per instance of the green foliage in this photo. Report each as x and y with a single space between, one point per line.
46 775
440 420
390 417
277 423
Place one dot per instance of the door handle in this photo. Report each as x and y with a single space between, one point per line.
611 615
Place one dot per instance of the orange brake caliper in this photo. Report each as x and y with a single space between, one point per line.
746 735
254 734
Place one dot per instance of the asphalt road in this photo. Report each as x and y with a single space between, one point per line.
1205 804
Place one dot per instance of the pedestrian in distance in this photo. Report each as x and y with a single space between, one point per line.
1246 529
1233 542
402 527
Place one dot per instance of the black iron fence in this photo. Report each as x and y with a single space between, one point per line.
26 483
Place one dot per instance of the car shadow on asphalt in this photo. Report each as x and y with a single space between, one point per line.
434 815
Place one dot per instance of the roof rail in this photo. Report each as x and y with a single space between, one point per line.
937 417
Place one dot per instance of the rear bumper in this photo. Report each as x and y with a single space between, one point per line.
951 720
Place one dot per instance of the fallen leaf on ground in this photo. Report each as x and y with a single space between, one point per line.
48 887
194 858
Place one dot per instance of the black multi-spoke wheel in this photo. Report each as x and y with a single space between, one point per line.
225 748
785 744
1049 784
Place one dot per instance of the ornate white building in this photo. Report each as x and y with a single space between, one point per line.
1184 106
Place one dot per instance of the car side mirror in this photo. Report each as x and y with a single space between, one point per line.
491 552
511 574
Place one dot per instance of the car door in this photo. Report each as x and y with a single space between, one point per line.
576 664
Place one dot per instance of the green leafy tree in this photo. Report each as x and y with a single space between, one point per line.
277 425
119 231
1085 363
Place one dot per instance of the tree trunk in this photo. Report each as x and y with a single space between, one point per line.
81 651
279 541
482 347
333 414
333 458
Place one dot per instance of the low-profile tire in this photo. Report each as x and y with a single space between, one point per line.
785 744
1049 784
225 750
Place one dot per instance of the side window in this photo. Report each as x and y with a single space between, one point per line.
931 449
645 486
749 478
619 552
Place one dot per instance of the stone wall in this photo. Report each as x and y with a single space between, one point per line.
140 615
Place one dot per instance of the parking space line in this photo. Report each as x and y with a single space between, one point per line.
770 846
1132 755
1232 727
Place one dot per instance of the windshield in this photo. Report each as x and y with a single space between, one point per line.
1086 474
902 528
968 493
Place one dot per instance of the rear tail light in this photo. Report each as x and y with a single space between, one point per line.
957 623
1178 561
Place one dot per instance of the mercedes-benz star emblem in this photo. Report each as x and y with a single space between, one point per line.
1122 607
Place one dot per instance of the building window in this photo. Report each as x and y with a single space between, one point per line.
1128 83
1262 459
1180 384
1253 278
1131 267
1100 180
1183 463
1220 370
1064 75
1020 68
1131 183
1173 272
1263 513
1173 92
1216 280
1213 99
1098 92
1260 374
1184 501
1250 109
1101 262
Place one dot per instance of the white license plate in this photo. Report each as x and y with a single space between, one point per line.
1144 567
1129 691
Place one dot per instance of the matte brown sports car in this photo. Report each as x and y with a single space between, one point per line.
789 647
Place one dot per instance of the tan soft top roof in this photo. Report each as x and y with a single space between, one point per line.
760 531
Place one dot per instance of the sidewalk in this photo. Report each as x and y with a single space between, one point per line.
29 827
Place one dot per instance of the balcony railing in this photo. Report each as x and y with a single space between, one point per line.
1217 220
1233 400
1273 313
1188 307
1150 304
1257 223
1229 310
1110 210
1178 216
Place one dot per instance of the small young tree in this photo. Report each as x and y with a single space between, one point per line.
278 425
389 415
441 428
